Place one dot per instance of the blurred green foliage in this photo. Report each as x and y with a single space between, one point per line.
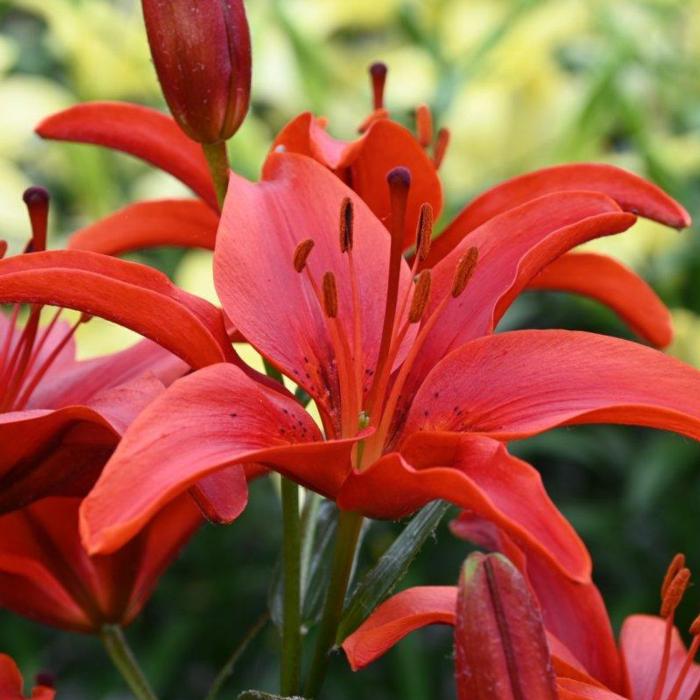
521 84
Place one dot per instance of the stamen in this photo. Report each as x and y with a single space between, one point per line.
424 125
675 592
465 270
330 295
301 254
677 563
420 297
37 201
347 216
424 235
3 249
377 72
441 143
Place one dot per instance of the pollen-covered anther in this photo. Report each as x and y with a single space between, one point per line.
424 233
377 73
37 201
347 216
675 592
301 254
330 295
424 125
441 143
421 295
677 563
464 271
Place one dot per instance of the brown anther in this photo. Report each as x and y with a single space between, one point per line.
677 563
85 318
377 72
441 143
421 294
424 125
674 592
330 295
399 178
424 234
301 254
694 628
347 217
37 201
3 249
464 271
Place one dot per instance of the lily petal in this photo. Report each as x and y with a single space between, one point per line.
12 684
570 689
275 307
613 284
46 575
215 418
500 643
61 452
133 295
631 192
364 163
642 641
479 475
173 222
514 385
397 617
513 248
139 131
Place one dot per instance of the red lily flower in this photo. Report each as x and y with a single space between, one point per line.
60 419
652 664
333 307
363 164
12 685
46 575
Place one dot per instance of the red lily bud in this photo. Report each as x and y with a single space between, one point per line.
201 51
500 642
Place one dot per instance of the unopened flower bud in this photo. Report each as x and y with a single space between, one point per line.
201 51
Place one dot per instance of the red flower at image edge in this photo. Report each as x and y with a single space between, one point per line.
557 625
363 165
12 684
60 419
410 372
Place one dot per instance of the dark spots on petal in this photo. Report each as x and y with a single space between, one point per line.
233 415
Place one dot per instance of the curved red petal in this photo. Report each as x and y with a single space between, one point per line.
139 131
172 222
479 475
631 192
214 418
397 617
517 384
513 248
618 287
61 452
365 162
133 295
275 307
11 682
642 641
571 689
46 575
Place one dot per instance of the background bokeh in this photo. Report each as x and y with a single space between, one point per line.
521 84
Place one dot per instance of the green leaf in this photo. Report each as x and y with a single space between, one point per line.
380 581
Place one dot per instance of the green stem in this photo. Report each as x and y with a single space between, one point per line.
291 562
309 512
217 160
349 527
124 660
228 667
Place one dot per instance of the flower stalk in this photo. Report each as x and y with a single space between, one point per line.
349 528
217 160
125 662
